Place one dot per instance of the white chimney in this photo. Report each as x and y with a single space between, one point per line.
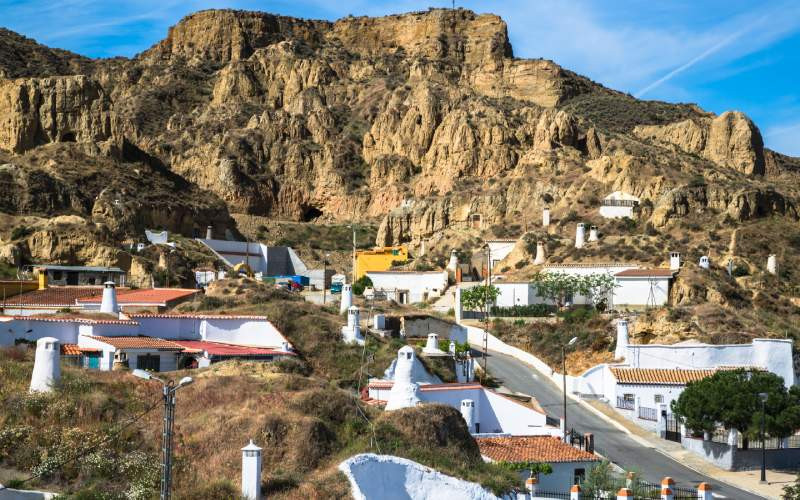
208 233
46 365
704 262
593 233
580 235
251 472
622 338
452 348
432 346
545 216
347 298
674 261
468 412
352 332
109 303
404 392
452 264
540 254
772 264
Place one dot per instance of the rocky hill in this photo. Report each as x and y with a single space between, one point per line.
411 124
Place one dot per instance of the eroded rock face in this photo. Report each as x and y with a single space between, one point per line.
35 111
730 140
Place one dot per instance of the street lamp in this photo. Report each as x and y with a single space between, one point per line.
168 390
324 275
486 304
564 379
763 397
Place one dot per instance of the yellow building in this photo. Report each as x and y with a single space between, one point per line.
379 259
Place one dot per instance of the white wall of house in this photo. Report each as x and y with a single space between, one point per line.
499 250
611 211
252 332
516 294
563 476
774 355
645 394
418 285
32 330
578 270
635 291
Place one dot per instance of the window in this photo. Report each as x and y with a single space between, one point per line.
578 476
395 252
628 397
658 398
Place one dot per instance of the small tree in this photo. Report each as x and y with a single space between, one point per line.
361 284
557 287
479 298
731 398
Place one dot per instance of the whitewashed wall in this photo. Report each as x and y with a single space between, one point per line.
516 294
636 292
563 476
416 283
260 333
13 329
615 212
774 355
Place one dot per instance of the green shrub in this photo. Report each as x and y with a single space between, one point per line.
361 284
531 310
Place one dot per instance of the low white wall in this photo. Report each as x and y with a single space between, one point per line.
394 478
32 330
610 212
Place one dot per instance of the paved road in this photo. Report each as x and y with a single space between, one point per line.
610 441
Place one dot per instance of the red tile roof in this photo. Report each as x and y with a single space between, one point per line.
545 449
220 349
140 342
657 376
75 350
145 296
54 296
646 273
102 319
198 316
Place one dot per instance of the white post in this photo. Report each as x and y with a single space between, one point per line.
208 232
580 235
46 365
347 298
575 492
531 485
251 472
545 217
622 339
108 303
704 492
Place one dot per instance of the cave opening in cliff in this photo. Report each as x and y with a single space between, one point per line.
68 137
311 213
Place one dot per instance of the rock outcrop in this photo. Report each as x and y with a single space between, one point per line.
730 140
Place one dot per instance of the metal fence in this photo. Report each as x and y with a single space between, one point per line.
625 404
720 435
648 413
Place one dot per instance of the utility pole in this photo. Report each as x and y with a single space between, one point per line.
486 305
354 251
564 379
324 275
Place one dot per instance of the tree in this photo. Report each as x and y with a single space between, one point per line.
361 284
479 298
792 491
731 398
558 287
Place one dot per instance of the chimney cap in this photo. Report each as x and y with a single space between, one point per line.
251 447
109 284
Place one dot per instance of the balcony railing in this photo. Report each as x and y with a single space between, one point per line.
619 203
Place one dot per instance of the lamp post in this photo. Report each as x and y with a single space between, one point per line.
486 305
763 397
564 379
168 391
324 276
353 227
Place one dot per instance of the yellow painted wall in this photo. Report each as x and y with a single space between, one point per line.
379 259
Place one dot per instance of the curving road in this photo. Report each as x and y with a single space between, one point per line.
610 441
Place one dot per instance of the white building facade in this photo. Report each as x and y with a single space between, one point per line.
409 287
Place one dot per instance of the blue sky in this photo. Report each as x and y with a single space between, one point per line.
720 54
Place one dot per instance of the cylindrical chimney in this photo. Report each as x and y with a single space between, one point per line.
251 472
46 365
404 392
468 412
772 264
540 254
545 216
674 261
705 262
209 234
593 233
580 235
109 302
347 298
432 345
622 338
452 264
